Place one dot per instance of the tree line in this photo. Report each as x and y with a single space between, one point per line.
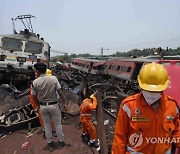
131 53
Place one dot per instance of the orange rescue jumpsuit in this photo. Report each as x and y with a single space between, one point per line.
36 108
140 129
86 117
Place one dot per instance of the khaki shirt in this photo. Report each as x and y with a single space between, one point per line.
45 87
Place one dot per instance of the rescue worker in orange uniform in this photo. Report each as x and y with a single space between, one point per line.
36 108
88 129
148 122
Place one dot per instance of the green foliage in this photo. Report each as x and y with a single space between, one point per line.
131 53
148 52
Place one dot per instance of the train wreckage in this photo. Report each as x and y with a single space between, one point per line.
115 79
18 53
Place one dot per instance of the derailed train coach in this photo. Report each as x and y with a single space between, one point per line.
125 71
18 53
92 66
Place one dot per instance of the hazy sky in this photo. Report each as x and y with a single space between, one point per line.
84 26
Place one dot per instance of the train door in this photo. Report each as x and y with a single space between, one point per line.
136 70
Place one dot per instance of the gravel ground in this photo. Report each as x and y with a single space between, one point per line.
12 142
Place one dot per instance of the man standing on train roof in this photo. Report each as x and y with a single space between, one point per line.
148 122
88 129
46 88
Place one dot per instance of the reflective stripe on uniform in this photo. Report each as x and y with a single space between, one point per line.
169 151
127 110
85 114
177 110
132 151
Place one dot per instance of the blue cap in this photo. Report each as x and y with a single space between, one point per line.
40 66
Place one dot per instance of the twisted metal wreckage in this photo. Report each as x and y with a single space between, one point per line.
16 111
18 53
114 79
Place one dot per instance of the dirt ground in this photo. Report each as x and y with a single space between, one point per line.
12 142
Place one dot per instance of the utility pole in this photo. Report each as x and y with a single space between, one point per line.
102 49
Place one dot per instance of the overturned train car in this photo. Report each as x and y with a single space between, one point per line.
124 72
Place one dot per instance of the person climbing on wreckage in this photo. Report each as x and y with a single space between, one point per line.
37 110
88 129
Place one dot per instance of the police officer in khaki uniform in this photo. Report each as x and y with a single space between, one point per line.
44 91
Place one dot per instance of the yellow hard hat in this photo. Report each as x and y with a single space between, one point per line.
48 72
92 96
153 77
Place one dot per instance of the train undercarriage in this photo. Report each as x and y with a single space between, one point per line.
18 77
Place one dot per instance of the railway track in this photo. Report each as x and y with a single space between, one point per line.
109 126
109 119
106 118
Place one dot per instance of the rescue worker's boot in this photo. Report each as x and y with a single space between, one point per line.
85 138
51 146
61 144
94 144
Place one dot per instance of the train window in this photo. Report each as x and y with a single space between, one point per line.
110 66
11 44
2 57
118 68
33 47
114 67
178 64
128 69
121 68
125 69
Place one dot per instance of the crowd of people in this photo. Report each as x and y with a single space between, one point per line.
147 122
